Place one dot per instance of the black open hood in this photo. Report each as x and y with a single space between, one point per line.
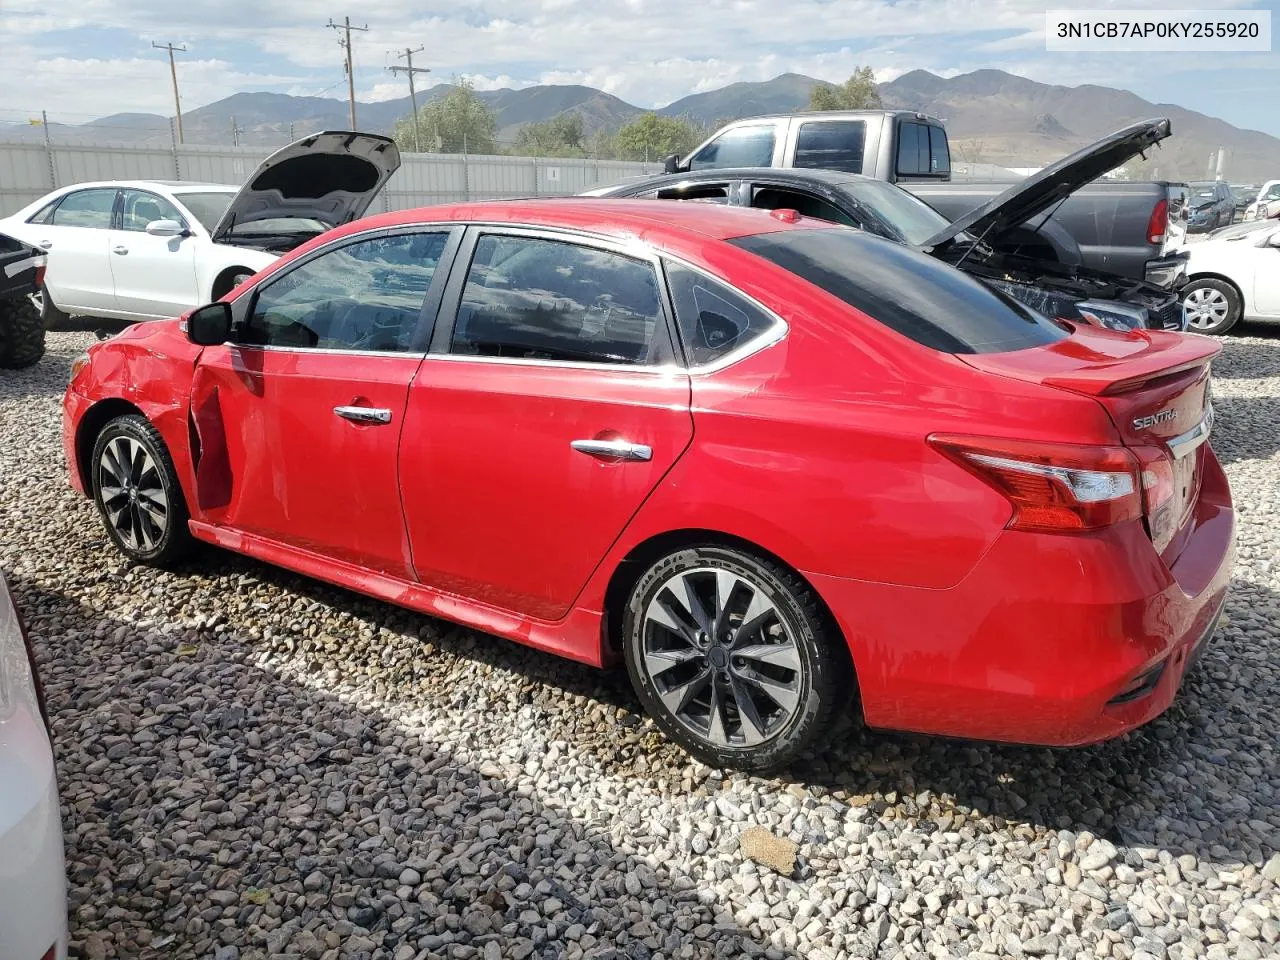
1040 191
329 177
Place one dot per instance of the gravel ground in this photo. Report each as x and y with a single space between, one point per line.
253 764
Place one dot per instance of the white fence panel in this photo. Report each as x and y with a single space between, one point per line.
30 170
76 164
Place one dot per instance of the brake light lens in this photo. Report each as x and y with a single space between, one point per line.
1053 488
40 268
1158 225
1157 495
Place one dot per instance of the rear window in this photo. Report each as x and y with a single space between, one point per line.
922 150
831 145
909 292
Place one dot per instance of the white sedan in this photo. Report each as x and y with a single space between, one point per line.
33 884
147 249
1233 275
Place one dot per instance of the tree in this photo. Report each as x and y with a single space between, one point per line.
561 136
457 122
857 93
652 137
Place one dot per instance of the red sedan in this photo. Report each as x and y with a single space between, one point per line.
770 462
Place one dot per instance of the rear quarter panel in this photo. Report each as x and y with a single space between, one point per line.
815 448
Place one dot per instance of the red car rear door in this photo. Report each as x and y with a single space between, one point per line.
548 409
299 421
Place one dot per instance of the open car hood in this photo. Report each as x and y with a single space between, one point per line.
329 177
1040 191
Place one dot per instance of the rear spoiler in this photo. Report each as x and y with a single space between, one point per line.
1165 355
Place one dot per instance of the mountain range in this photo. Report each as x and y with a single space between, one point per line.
991 117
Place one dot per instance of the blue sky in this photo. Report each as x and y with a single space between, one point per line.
79 59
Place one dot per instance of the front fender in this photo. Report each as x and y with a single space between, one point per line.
148 367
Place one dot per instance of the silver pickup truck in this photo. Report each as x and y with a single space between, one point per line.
900 146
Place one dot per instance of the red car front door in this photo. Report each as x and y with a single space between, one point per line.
547 412
299 423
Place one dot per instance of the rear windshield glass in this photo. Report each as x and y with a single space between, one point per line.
914 294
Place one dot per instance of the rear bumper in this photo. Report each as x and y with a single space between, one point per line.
1052 640
1168 271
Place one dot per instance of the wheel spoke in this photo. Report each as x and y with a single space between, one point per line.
687 596
752 725
784 695
715 726
678 696
659 613
138 463
778 654
660 661
726 582
758 611
143 526
112 467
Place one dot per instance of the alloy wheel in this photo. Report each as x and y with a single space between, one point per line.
721 657
133 494
1206 308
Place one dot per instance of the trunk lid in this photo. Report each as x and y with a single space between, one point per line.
1155 387
321 181
1040 191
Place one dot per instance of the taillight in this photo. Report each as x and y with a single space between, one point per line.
1157 495
1158 225
1054 488
40 275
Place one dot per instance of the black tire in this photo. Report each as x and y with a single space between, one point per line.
807 665
1212 306
54 319
21 333
138 497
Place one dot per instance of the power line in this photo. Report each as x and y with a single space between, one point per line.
413 96
344 41
173 72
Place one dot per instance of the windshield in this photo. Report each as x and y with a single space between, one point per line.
1204 191
913 294
208 208
913 220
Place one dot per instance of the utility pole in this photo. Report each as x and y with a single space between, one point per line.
344 41
413 96
235 133
173 72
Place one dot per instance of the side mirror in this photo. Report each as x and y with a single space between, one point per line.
671 164
166 228
209 325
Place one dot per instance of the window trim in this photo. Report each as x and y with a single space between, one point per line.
243 307
771 335
57 205
671 353
182 211
771 125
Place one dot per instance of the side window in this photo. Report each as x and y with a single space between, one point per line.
739 147
806 204
831 145
140 208
908 149
45 213
86 208
537 299
366 295
706 192
939 151
714 319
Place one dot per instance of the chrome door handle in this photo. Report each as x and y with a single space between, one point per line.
364 414
45 244
120 250
614 449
